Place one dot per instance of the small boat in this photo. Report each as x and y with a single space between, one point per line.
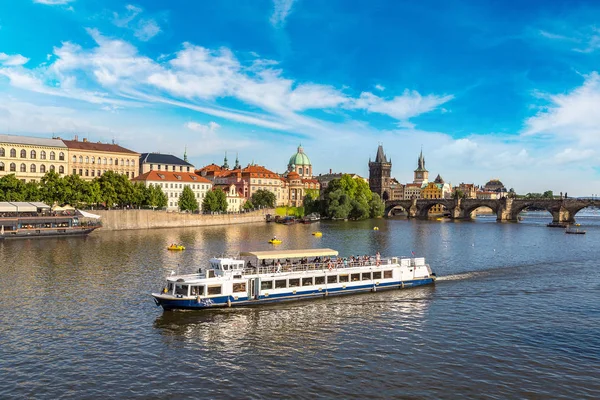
574 231
317 234
176 247
275 241
556 225
259 277
375 228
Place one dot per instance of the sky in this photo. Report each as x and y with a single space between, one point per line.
487 89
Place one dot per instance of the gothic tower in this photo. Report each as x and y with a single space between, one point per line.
421 174
379 175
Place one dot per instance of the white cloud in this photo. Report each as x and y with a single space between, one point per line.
569 155
281 10
12 60
570 116
209 128
143 28
379 87
53 2
409 105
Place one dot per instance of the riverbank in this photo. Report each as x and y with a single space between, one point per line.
117 220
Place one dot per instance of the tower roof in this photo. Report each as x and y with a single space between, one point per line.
380 158
300 158
439 179
421 163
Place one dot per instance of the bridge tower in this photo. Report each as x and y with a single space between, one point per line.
379 175
421 174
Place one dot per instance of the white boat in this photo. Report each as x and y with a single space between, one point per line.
269 276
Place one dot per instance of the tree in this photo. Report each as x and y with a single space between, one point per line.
187 200
156 198
248 205
52 188
215 200
263 198
31 191
458 194
548 194
376 206
311 201
337 204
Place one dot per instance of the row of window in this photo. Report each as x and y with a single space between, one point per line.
193 186
159 168
32 168
104 161
32 154
320 280
93 172
198 290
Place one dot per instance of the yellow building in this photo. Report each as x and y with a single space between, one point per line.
433 191
89 160
29 158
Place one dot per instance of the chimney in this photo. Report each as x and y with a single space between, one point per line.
85 140
329 170
76 138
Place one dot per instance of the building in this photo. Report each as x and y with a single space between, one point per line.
298 179
163 162
300 164
235 199
421 173
469 190
379 175
91 159
29 158
494 185
433 191
172 184
412 191
397 189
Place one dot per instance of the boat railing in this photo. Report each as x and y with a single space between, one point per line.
315 266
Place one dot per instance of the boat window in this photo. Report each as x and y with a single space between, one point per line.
331 278
197 290
377 275
239 287
170 289
181 289
210 273
225 267
319 280
214 289
355 277
294 282
344 278
280 284
366 276
387 274
307 281
266 285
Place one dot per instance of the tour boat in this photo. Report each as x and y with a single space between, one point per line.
260 277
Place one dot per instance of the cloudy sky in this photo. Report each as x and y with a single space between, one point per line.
488 89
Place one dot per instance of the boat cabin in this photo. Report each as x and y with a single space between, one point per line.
225 267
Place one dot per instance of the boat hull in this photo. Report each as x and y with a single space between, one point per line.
46 233
170 303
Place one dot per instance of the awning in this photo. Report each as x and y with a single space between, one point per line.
88 214
57 208
23 206
5 206
283 254
39 204
67 207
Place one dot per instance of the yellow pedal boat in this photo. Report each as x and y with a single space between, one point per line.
317 234
176 247
275 241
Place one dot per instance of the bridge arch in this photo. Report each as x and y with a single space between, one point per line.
468 207
427 204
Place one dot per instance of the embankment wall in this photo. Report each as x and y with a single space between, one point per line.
116 220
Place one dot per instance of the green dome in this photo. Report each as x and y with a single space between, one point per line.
299 158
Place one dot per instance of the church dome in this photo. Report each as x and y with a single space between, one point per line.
300 158
494 185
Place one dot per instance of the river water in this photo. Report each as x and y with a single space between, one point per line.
514 314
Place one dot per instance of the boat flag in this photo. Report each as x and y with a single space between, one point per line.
412 252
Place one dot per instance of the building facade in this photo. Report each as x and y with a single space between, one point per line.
380 175
29 158
235 199
90 160
172 184
163 162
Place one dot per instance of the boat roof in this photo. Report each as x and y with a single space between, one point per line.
264 255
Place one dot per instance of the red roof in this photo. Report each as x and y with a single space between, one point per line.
209 168
259 171
113 148
169 176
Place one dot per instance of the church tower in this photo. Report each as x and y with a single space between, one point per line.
379 175
421 174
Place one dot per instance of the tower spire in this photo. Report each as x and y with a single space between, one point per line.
185 154
225 164
237 162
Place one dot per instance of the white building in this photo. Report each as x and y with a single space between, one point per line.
235 199
172 184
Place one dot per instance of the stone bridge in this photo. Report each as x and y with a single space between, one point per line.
506 209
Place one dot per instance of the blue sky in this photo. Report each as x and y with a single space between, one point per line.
488 89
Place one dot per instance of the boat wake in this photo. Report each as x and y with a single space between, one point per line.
461 277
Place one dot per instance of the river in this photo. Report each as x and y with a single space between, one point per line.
514 314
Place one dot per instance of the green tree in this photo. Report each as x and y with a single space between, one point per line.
311 201
458 194
548 194
108 192
248 205
187 200
376 206
31 191
221 200
263 198
337 204
215 201
140 193
52 188
156 198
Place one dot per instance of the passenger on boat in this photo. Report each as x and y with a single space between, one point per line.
278 267
377 259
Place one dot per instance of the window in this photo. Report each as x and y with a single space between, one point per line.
80 172
122 162
366 276
13 153
355 277
23 168
1 166
280 284
387 274
52 156
197 290
93 160
80 160
87 160
23 154
239 287
332 279
52 167
159 167
127 163
32 154
151 167
1 151
307 281
93 172
214 289
181 289
377 275
294 282
99 172
13 167
319 280
104 161
132 163
74 171
32 168
61 156
110 161
266 285
61 169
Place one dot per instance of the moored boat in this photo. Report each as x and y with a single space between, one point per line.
269 276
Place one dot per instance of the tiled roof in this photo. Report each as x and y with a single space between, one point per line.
35 141
210 168
158 158
256 170
168 176
114 148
